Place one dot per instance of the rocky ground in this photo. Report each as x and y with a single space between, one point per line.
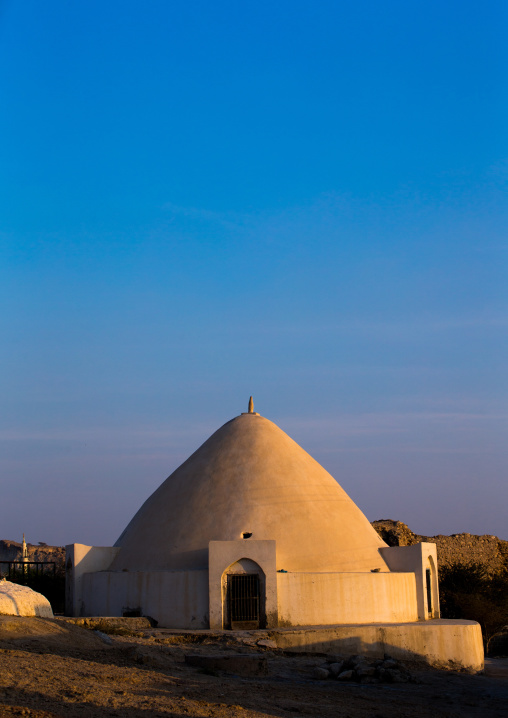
52 669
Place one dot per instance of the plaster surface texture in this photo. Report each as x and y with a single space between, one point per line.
227 557
250 476
437 642
17 600
417 558
173 598
81 559
316 599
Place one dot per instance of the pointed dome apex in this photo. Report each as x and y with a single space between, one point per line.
250 476
250 409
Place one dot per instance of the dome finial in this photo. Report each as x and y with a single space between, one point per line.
250 411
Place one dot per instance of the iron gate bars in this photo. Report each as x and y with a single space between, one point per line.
16 571
243 592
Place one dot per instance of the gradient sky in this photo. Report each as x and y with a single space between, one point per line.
303 201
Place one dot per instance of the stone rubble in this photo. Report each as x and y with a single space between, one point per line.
359 669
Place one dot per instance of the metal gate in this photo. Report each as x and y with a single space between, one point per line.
243 601
27 572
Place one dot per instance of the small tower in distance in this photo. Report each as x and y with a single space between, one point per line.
24 555
24 552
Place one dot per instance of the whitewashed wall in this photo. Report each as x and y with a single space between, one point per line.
176 599
314 599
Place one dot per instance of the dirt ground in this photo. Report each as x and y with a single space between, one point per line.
52 669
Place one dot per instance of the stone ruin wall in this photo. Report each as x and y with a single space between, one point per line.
466 549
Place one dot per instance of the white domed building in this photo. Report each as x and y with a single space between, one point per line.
251 532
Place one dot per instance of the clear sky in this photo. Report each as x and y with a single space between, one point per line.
303 201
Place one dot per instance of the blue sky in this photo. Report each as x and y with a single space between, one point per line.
301 201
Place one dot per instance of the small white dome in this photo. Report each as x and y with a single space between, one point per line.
16 600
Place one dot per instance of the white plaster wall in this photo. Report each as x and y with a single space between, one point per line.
175 599
417 558
81 559
313 599
441 643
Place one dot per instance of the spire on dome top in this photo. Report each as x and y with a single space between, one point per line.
250 411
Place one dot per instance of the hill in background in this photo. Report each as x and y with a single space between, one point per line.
489 552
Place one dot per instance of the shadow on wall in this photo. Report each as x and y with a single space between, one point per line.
439 643
456 647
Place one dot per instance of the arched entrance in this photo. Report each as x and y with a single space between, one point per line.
243 594
432 592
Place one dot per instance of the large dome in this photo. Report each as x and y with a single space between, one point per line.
250 477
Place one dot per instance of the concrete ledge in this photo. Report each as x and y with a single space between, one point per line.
439 643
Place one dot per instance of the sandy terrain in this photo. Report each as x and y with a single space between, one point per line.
51 669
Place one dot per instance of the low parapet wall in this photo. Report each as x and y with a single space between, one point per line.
314 599
179 599
172 598
439 643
